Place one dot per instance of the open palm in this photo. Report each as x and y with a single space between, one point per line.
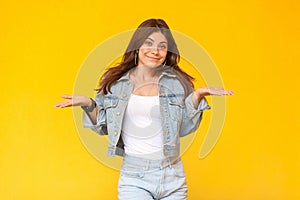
73 100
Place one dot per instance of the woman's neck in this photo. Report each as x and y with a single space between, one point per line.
144 81
144 74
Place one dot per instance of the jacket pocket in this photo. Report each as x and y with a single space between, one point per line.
175 107
110 104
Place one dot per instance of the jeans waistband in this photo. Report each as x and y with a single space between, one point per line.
150 164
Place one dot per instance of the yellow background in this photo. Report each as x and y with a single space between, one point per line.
255 45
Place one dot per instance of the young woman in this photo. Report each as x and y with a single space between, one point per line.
144 105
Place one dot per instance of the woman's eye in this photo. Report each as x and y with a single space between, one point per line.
148 43
162 46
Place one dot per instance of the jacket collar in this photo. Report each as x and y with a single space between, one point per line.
168 73
125 76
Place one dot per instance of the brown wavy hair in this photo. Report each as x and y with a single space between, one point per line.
145 29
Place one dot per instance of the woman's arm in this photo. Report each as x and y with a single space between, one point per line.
79 100
205 91
195 104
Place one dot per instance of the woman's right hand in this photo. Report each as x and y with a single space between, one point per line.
73 100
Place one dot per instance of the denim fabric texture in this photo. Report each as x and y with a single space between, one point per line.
152 179
178 114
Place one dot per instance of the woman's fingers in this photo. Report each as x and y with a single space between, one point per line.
219 91
230 92
73 100
59 104
63 104
67 103
67 96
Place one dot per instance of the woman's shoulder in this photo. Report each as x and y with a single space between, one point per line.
176 82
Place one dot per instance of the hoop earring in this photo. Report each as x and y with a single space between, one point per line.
135 58
164 64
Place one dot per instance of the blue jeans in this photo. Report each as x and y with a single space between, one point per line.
142 179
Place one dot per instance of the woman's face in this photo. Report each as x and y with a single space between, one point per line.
154 50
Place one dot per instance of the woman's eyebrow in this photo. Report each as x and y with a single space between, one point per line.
153 40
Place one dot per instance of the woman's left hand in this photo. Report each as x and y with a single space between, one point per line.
207 90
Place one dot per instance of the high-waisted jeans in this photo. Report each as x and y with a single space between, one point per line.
142 179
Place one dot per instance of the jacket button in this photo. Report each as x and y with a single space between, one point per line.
123 95
166 131
115 133
118 113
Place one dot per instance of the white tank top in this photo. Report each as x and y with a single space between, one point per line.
142 129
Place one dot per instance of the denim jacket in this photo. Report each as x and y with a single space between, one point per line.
178 114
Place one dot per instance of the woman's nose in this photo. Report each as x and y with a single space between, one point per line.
154 50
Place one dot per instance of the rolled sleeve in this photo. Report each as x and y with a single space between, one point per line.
192 116
191 110
100 125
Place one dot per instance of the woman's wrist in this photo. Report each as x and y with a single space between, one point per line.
197 97
89 102
90 105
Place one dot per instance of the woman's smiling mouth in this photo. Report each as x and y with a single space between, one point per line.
153 58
